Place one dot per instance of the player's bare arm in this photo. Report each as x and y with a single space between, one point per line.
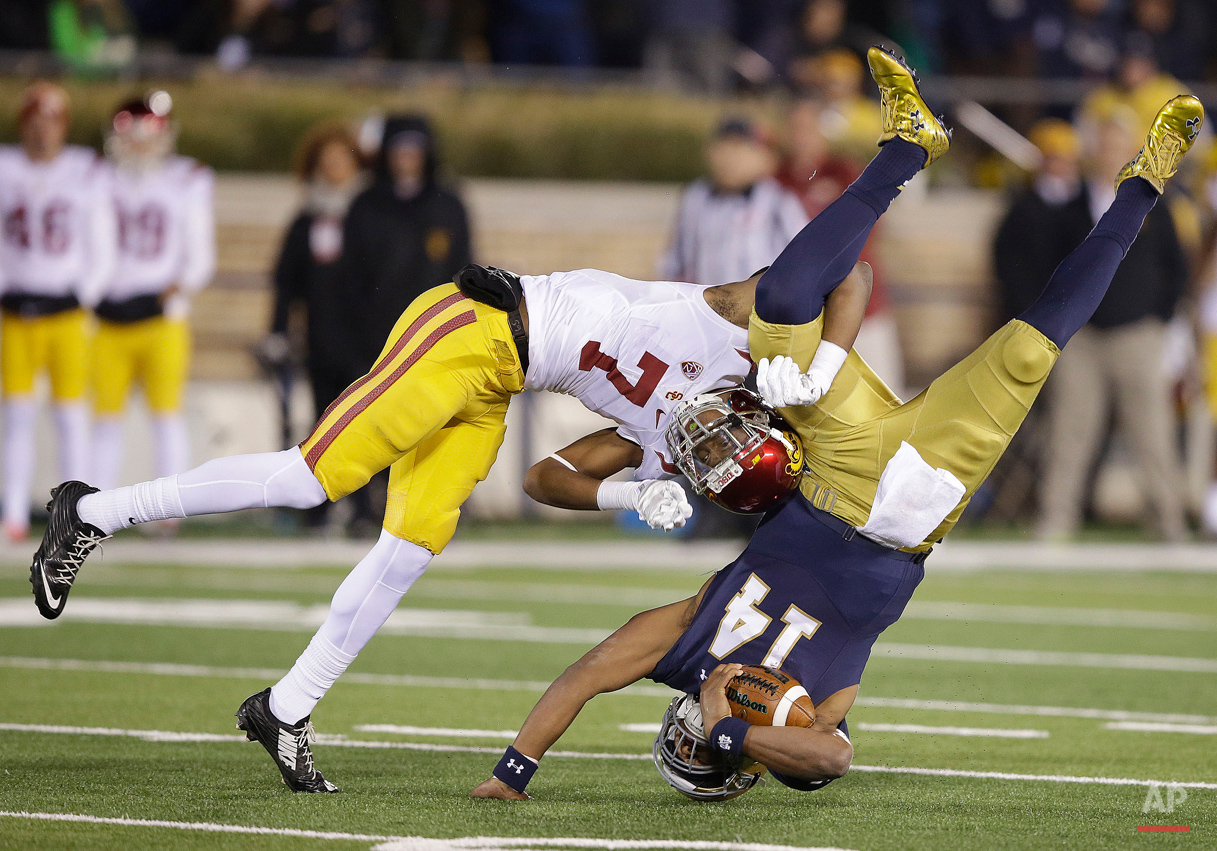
818 752
571 477
625 657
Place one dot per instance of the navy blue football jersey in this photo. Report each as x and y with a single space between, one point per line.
800 598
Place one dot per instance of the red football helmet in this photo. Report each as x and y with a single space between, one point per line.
142 133
735 450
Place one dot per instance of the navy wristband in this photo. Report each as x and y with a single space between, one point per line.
515 769
727 737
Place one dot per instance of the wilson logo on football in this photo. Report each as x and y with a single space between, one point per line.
691 369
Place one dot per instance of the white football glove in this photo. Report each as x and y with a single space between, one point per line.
662 504
783 385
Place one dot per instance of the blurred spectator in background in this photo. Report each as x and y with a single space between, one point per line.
436 30
1138 83
542 32
1206 326
988 36
166 253
309 274
23 25
691 45
817 178
1035 234
404 235
849 120
621 30
56 254
738 219
91 35
824 25
1178 31
766 29
1117 358
1077 38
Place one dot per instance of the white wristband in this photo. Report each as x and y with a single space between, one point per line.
621 496
828 360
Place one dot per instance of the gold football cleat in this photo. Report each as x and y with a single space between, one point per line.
905 114
1170 137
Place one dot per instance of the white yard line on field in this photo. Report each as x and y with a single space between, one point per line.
991 732
421 843
557 593
1057 616
287 616
445 732
169 669
1052 658
283 615
162 736
1019 709
1159 727
649 554
985 732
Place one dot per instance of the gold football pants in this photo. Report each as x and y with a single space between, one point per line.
962 422
57 344
153 352
431 410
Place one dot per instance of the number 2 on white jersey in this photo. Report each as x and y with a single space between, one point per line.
744 622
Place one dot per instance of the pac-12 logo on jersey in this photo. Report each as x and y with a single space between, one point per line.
691 369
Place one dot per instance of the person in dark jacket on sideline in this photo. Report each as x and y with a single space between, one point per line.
404 235
1116 359
309 273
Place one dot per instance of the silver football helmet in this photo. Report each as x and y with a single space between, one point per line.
685 761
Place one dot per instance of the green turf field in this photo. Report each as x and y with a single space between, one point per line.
145 651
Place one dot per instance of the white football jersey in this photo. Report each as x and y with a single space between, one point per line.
166 228
630 350
58 224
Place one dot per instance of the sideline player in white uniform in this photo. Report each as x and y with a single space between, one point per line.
56 253
432 411
166 253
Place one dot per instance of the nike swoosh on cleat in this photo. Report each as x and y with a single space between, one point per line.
46 588
287 748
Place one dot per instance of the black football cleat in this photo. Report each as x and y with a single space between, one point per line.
67 542
287 744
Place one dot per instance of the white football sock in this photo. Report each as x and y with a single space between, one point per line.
172 443
72 429
269 479
107 451
19 416
362 604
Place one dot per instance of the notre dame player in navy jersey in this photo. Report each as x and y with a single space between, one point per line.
857 485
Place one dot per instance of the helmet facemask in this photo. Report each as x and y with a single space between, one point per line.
685 760
735 450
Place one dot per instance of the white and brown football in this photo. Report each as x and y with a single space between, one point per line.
768 697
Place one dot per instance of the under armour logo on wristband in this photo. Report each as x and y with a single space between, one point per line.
515 769
724 742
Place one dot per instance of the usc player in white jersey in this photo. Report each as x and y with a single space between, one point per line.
166 253
56 254
432 410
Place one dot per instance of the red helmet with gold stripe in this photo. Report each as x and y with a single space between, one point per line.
735 450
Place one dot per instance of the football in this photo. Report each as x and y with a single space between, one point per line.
769 698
